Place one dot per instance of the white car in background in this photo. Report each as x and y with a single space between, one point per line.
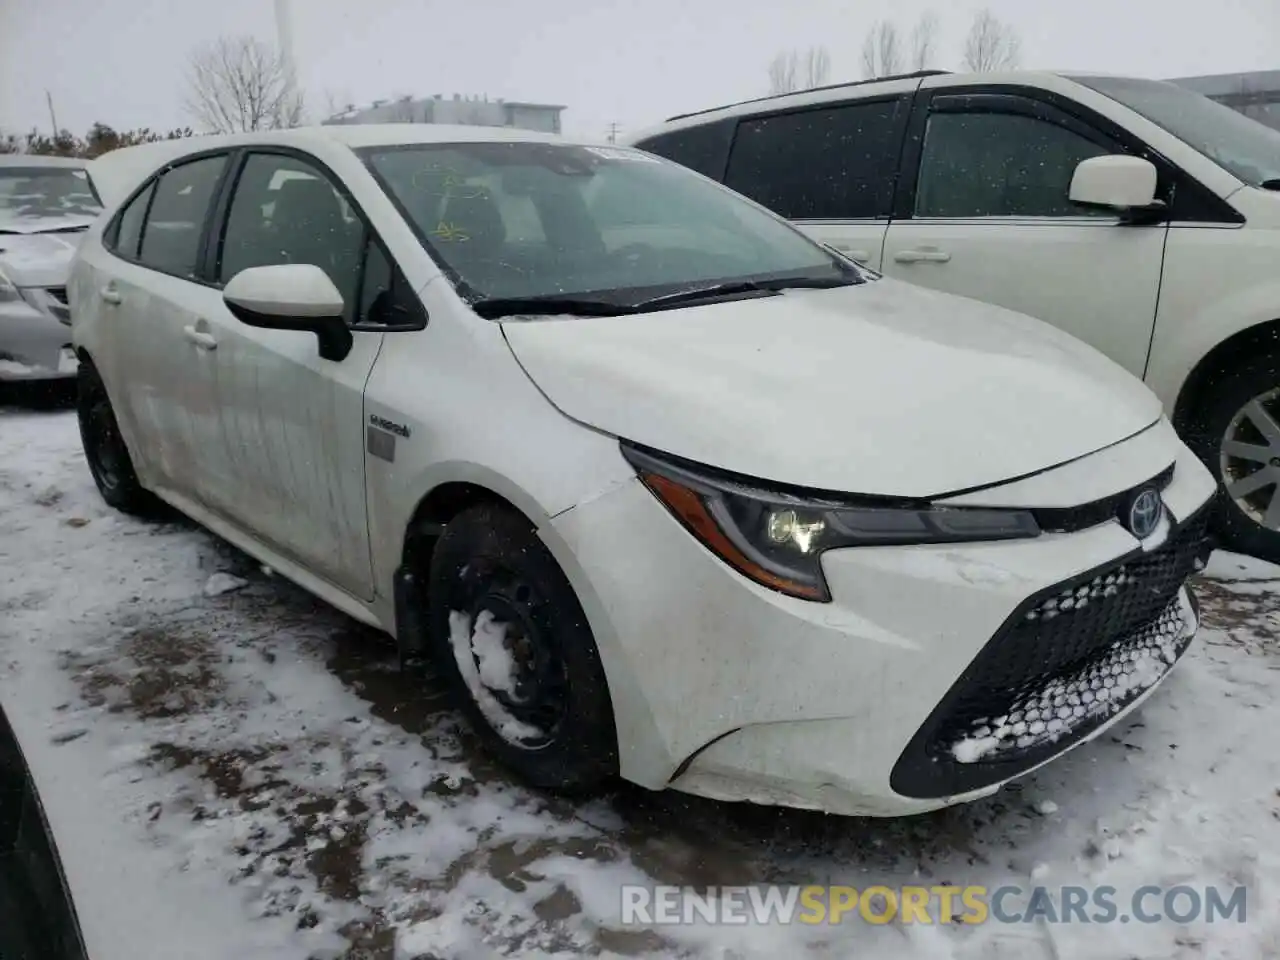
665 488
46 204
1137 215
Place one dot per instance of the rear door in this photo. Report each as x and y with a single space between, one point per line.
149 293
831 168
984 212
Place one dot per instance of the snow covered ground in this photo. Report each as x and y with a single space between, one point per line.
234 770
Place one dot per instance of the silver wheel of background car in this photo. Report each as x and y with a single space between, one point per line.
1250 459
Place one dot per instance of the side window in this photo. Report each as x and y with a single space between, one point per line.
834 163
1000 165
285 210
128 233
171 236
703 148
385 297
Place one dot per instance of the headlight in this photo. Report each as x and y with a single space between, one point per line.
776 537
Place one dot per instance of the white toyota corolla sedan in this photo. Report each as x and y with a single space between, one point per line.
664 488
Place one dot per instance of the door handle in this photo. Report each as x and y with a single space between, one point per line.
923 255
110 295
205 341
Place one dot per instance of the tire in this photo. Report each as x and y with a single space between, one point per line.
489 567
1220 417
105 450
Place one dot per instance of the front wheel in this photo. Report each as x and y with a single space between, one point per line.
1236 432
514 646
105 450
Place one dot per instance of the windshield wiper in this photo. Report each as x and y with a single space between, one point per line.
493 308
733 287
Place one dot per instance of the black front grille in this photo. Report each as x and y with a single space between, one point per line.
1071 519
58 293
1062 643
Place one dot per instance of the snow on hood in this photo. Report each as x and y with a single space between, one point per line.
40 258
882 388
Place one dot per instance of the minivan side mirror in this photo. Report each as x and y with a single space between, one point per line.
1116 181
291 296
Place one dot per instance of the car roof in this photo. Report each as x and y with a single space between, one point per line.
40 160
832 93
117 173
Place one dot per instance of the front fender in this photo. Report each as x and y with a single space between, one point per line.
1217 284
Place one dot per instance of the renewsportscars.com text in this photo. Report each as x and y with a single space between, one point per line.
767 904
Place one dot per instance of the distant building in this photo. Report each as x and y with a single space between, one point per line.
472 111
1256 95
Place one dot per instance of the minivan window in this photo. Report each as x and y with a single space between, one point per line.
1000 165
833 163
704 148
1245 148
171 237
609 221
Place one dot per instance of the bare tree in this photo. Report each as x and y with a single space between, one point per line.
881 56
782 73
336 102
789 71
923 40
240 83
817 67
991 45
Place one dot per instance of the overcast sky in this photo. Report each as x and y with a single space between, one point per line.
630 62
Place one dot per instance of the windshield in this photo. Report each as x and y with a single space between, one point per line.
46 192
1244 147
535 220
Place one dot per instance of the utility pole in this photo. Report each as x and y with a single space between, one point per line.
284 41
52 118
613 133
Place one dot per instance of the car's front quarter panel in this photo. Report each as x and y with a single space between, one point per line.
472 416
1217 282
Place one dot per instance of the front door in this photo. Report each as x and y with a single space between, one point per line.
987 215
289 463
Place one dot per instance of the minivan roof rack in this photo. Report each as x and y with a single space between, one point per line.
918 74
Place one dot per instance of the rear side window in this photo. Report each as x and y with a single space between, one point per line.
171 237
834 163
129 226
703 148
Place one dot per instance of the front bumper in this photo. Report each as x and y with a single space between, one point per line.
729 690
35 344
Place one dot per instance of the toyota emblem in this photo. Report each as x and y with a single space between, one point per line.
1144 514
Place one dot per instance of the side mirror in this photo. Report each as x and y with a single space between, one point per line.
291 296
1118 182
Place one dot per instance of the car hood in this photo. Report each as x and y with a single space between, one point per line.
881 388
40 258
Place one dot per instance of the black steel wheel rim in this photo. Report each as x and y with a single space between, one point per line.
106 446
540 694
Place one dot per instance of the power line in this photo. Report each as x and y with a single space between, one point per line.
613 133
